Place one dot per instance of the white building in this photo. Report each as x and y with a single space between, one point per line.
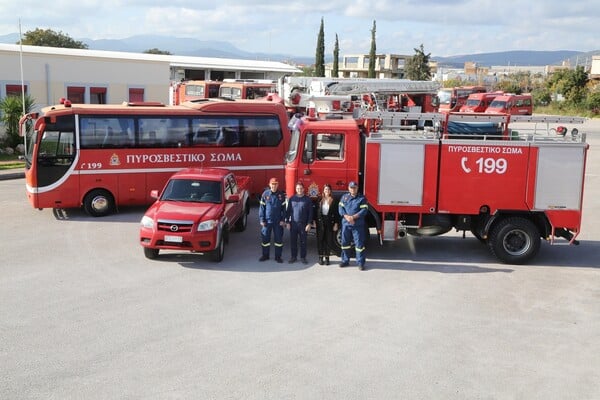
94 76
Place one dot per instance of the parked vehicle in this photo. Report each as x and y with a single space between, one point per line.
452 99
251 89
340 97
500 186
195 212
194 90
479 102
102 156
514 104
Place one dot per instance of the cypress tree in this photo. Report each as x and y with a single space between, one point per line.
336 56
372 53
320 54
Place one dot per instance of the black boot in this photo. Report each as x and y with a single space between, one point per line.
327 260
321 262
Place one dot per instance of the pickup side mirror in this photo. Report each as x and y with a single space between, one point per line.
154 194
234 198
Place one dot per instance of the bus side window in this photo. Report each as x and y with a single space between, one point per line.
202 137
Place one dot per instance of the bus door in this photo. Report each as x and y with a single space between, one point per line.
56 156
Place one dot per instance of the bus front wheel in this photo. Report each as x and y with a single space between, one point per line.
98 203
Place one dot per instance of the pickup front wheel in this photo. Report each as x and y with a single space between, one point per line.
150 253
217 254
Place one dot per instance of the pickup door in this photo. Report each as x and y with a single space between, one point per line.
235 209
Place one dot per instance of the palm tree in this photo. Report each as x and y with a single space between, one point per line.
12 108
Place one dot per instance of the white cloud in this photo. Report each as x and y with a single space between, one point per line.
443 27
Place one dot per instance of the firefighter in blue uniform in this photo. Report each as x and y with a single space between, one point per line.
271 214
353 209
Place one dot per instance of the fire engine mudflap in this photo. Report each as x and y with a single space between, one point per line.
507 193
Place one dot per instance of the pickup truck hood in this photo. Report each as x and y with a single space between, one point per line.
181 210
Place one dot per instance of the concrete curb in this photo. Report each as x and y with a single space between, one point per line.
11 174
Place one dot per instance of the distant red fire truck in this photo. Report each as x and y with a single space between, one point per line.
452 99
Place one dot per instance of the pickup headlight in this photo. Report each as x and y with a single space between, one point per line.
147 222
207 225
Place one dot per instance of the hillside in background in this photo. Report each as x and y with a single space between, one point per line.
199 48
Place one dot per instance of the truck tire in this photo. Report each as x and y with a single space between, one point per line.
242 222
98 203
217 254
337 241
150 253
514 240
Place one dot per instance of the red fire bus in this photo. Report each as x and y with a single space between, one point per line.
104 156
451 99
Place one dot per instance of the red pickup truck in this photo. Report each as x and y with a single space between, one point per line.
195 212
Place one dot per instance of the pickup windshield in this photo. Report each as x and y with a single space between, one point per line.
192 190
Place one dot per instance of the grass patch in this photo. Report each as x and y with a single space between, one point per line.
11 161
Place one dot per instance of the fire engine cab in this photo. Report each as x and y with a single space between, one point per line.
499 184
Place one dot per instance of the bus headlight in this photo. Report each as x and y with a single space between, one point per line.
147 222
207 225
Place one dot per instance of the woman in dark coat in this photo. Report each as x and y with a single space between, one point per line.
327 220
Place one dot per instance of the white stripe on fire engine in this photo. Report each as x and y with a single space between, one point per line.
156 170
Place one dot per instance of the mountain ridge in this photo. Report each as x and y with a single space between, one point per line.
200 48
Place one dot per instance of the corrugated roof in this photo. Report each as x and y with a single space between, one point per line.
174 61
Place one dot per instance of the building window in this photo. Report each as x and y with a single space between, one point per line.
136 95
97 95
15 90
76 94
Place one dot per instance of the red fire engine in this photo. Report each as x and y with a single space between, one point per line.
325 97
498 184
181 92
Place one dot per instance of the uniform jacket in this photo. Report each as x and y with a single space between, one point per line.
272 207
353 205
300 209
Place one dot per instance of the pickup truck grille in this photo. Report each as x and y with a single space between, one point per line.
175 226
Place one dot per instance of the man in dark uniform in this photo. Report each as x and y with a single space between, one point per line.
300 219
271 214
353 209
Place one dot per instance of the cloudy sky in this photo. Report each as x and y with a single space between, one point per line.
444 27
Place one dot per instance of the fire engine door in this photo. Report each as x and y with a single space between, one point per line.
324 157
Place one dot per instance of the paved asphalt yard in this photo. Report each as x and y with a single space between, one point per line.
83 315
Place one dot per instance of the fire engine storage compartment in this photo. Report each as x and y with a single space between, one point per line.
491 173
400 176
559 182
539 174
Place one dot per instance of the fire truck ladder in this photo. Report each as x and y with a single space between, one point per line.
390 86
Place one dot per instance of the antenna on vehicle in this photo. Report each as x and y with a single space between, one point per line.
22 82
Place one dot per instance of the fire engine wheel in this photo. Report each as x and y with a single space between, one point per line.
242 223
217 254
98 203
514 240
150 253
337 241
